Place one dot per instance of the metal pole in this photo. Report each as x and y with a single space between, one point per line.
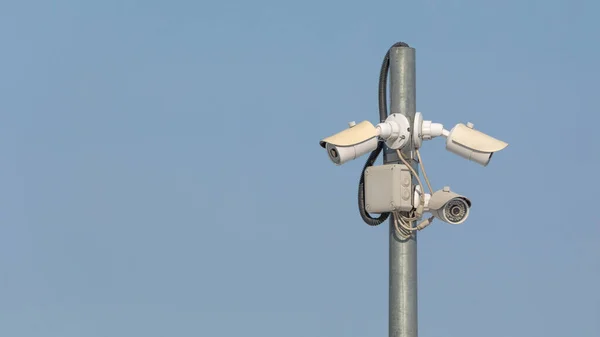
403 252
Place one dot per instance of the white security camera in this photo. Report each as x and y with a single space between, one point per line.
445 205
462 140
362 138
351 143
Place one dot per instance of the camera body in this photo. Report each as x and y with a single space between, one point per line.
349 144
448 206
472 144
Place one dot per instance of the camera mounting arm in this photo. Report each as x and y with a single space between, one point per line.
426 130
395 131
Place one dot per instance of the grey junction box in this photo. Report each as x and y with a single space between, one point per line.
388 188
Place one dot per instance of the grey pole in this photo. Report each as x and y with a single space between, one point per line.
403 252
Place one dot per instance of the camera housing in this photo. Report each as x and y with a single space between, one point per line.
359 139
448 206
472 144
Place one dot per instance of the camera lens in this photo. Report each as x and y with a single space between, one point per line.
333 153
456 210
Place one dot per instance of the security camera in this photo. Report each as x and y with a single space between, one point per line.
462 140
445 205
357 140
473 145
362 138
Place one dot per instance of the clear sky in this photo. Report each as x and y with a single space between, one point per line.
161 173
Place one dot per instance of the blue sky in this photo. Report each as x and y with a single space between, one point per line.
161 174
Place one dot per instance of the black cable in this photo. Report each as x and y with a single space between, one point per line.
367 218
383 76
383 114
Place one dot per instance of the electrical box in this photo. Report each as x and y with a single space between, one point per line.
388 188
